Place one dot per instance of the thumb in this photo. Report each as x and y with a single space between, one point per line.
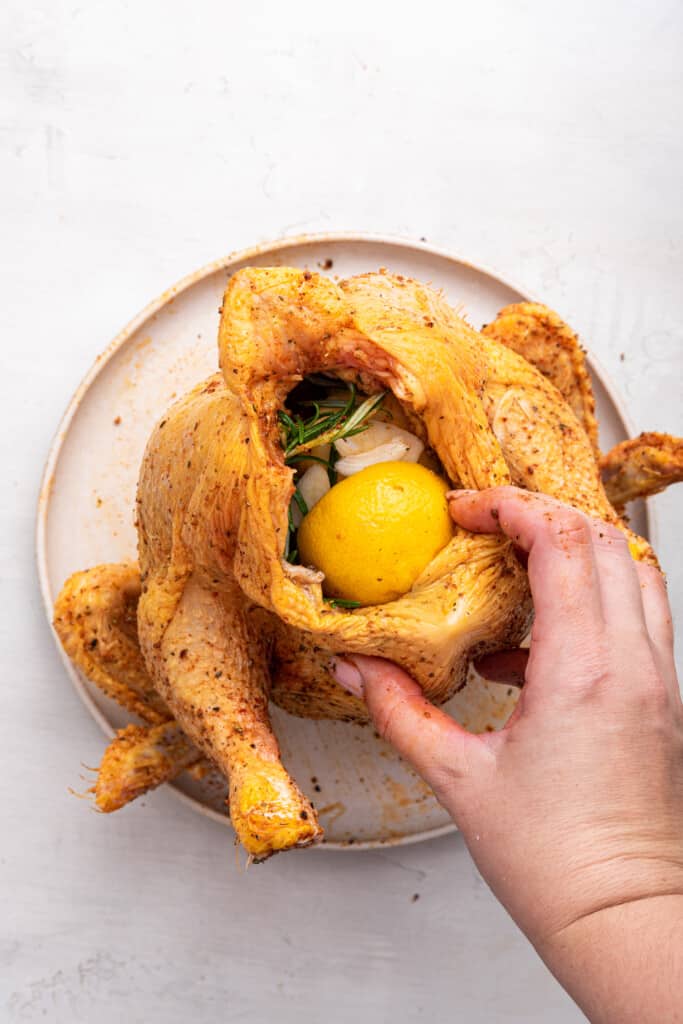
504 666
439 749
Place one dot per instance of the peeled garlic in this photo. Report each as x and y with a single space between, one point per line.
312 486
381 442
392 451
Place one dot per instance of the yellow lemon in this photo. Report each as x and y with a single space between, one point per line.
373 533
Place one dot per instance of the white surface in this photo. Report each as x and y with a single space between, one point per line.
141 140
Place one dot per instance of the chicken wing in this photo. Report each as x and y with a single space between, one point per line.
643 466
95 617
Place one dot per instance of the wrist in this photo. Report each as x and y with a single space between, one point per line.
597 880
622 964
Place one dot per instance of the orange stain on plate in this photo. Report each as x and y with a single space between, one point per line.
331 812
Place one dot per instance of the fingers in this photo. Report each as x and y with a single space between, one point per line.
576 563
620 595
439 749
562 567
590 596
658 620
583 563
504 666
656 606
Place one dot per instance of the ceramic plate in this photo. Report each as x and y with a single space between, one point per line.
365 795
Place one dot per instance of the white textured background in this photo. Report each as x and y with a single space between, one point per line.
142 139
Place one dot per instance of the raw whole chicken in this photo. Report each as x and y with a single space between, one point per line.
216 621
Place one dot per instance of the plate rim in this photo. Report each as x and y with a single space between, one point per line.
124 335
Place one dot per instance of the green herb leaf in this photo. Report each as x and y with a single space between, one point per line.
326 428
332 475
299 499
332 418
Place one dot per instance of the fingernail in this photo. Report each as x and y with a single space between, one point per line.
347 675
462 493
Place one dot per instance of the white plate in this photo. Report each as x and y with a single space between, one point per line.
365 795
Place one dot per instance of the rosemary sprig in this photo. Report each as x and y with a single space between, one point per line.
332 475
347 424
299 434
332 418
339 602
325 427
299 499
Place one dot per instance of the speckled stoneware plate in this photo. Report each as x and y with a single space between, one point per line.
365 795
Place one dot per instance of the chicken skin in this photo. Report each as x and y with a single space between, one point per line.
225 623
643 466
537 333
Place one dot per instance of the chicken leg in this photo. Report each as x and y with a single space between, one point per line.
211 668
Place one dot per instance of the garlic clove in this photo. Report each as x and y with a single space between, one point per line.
375 434
392 451
415 446
378 434
313 485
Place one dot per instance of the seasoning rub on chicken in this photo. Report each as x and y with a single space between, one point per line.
321 384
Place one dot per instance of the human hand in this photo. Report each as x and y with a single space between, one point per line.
576 805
